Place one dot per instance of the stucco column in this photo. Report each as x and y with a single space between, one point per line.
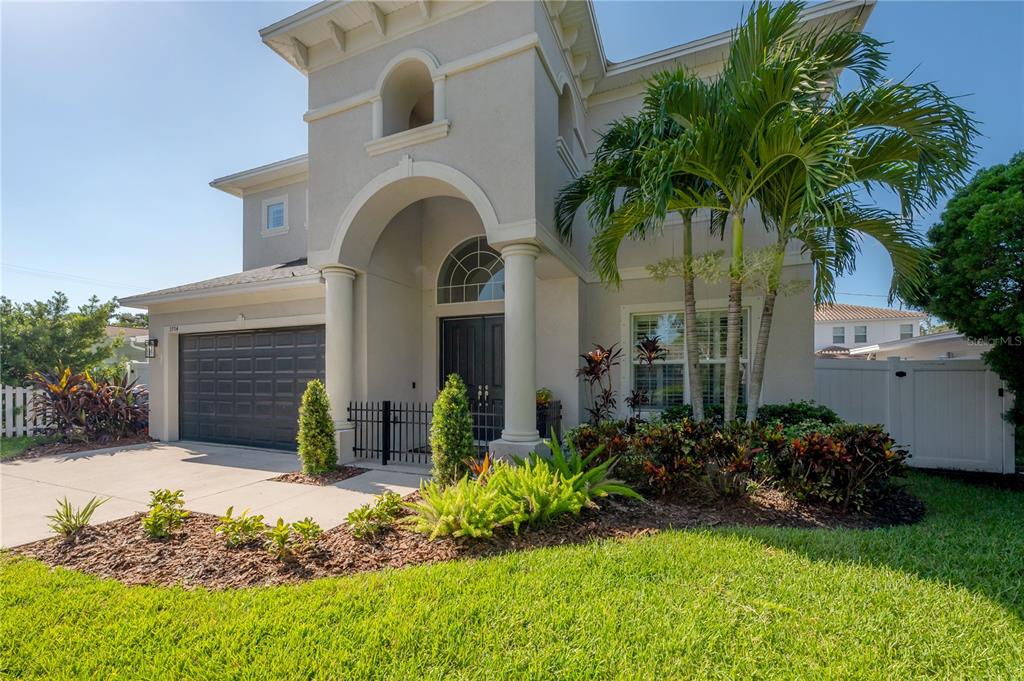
339 340
520 343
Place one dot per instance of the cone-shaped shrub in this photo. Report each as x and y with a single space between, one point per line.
317 452
451 432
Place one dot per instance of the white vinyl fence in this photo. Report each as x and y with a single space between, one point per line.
16 411
949 414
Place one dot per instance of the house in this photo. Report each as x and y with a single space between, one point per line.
415 238
839 326
945 345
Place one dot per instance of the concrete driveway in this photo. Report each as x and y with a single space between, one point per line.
213 477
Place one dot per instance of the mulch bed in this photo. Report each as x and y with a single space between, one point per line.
197 558
54 448
329 478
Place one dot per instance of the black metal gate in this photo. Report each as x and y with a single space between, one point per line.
399 432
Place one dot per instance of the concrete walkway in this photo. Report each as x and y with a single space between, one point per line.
213 477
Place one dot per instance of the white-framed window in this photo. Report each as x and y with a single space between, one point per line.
838 335
472 272
860 334
665 381
274 220
906 331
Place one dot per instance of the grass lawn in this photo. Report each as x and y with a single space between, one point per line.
12 446
944 598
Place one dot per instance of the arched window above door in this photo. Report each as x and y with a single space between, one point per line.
472 272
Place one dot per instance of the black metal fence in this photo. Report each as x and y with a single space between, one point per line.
399 432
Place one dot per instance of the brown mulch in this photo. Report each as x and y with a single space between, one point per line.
197 558
55 448
329 478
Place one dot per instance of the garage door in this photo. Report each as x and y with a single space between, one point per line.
245 387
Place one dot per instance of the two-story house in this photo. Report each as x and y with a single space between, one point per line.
415 238
840 325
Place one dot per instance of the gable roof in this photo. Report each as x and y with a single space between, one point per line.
841 312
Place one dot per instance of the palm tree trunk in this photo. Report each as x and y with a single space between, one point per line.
734 328
764 331
690 322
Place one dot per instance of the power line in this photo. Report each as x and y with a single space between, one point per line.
69 277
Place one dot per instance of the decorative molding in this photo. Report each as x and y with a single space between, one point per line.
378 18
407 138
267 232
424 6
242 323
301 53
562 149
337 36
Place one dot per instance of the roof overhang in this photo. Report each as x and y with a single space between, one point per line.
146 300
909 342
294 169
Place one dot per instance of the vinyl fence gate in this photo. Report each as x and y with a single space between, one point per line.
949 414
16 416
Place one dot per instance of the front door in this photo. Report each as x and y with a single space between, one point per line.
474 348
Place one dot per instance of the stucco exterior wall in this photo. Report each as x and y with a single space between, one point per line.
261 248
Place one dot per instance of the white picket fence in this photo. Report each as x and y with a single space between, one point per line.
16 411
949 414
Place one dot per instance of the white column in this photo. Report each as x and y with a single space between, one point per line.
377 111
339 340
439 110
520 343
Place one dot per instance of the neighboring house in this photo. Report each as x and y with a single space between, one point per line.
945 345
838 326
133 344
416 237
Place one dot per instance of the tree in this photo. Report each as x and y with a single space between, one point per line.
317 450
976 278
451 433
45 335
132 320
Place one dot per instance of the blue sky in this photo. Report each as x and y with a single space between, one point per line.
115 116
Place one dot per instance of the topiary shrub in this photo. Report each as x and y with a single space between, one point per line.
317 451
451 433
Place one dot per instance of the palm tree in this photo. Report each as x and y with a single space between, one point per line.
738 131
913 141
614 180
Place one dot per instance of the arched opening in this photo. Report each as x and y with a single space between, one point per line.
407 97
566 121
472 272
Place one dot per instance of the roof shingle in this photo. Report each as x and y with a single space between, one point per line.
841 312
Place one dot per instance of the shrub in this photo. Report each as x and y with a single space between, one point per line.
792 413
451 432
369 520
317 451
849 466
241 529
285 540
69 522
592 479
466 508
166 513
533 494
712 412
77 407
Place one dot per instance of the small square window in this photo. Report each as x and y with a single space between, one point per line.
275 215
860 334
838 334
906 331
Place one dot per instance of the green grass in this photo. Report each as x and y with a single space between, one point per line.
943 599
13 446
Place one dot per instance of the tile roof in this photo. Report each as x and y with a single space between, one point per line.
841 312
288 270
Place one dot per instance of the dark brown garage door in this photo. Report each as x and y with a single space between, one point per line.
245 387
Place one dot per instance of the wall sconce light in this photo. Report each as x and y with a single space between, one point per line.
151 348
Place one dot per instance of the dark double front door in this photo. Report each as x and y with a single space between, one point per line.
474 348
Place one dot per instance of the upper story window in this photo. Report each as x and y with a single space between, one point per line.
860 334
407 97
906 331
472 272
838 335
275 216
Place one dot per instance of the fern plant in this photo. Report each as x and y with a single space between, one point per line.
463 509
68 521
451 432
317 450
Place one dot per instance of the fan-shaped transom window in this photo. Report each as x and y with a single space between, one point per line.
472 271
